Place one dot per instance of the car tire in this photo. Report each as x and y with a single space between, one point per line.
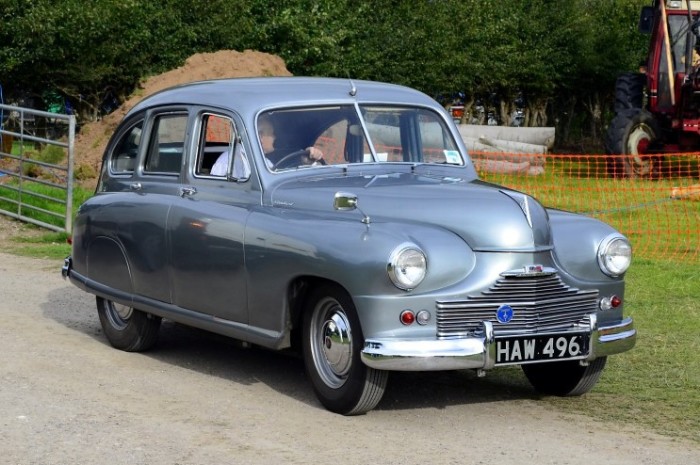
632 133
332 342
126 328
564 378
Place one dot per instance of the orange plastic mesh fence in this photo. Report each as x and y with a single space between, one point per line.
657 208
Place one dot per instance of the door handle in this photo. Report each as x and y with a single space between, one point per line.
135 186
187 191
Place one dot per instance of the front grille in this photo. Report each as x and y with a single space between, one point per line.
540 303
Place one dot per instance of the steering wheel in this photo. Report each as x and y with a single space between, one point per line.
296 154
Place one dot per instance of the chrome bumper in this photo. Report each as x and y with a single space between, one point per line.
67 265
480 352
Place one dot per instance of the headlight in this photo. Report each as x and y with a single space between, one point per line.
614 255
407 266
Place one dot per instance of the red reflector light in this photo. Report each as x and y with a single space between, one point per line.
615 301
69 240
407 317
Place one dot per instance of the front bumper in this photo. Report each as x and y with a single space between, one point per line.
480 352
67 265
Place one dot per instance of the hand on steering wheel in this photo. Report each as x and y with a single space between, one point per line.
297 154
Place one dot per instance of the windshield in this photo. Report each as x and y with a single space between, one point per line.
678 30
303 137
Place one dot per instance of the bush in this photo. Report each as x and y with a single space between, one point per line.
83 172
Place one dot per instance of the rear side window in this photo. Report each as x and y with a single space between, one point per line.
123 158
167 144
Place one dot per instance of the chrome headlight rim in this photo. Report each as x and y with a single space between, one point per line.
397 261
604 255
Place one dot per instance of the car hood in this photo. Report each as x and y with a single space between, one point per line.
486 216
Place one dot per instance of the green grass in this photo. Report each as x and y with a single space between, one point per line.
35 241
657 384
32 200
48 246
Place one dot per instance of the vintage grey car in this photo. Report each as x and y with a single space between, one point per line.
344 219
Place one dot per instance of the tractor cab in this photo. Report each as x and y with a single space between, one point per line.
672 53
657 110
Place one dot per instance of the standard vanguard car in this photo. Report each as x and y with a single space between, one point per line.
345 219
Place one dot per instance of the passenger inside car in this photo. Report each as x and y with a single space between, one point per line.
241 166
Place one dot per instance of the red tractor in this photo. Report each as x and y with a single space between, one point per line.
657 110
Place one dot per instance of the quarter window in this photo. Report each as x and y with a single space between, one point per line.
124 155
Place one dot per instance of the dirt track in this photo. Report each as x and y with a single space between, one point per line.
69 398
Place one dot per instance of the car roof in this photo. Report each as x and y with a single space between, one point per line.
251 95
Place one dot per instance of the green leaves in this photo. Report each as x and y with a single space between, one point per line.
547 49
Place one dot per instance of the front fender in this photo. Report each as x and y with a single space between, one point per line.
576 240
286 245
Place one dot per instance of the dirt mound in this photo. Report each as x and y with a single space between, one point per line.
93 137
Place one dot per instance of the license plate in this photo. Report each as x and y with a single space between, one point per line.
523 349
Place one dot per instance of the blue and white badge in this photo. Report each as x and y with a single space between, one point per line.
504 314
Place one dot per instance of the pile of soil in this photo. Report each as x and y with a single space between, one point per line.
90 143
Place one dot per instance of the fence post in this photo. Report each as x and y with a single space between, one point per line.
69 181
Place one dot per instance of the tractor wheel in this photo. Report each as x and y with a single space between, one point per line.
631 135
629 91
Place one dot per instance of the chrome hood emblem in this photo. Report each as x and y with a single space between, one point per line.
528 271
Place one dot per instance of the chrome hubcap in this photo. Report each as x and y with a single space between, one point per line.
637 143
331 343
337 347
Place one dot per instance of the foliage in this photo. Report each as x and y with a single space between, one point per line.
563 57
91 51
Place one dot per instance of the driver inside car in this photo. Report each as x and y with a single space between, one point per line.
274 158
266 133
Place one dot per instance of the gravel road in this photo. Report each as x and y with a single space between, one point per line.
67 397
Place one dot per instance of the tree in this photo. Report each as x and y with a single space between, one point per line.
563 57
90 50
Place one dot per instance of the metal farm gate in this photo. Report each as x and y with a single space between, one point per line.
36 166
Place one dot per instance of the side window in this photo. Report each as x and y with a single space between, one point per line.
167 144
215 145
124 154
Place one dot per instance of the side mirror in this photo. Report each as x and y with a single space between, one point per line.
646 20
344 201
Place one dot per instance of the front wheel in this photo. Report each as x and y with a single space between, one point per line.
564 378
127 328
332 344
